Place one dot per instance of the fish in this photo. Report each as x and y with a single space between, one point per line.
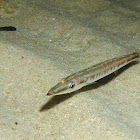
8 28
91 74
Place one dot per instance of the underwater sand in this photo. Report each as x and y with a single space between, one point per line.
55 39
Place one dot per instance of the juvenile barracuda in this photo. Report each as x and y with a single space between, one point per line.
91 74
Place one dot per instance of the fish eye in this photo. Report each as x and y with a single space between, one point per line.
71 85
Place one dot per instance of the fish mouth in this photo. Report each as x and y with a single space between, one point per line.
48 94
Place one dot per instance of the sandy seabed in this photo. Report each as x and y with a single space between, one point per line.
55 39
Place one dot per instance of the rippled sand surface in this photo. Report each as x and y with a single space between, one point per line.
54 39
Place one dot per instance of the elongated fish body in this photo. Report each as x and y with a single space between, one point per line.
91 74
